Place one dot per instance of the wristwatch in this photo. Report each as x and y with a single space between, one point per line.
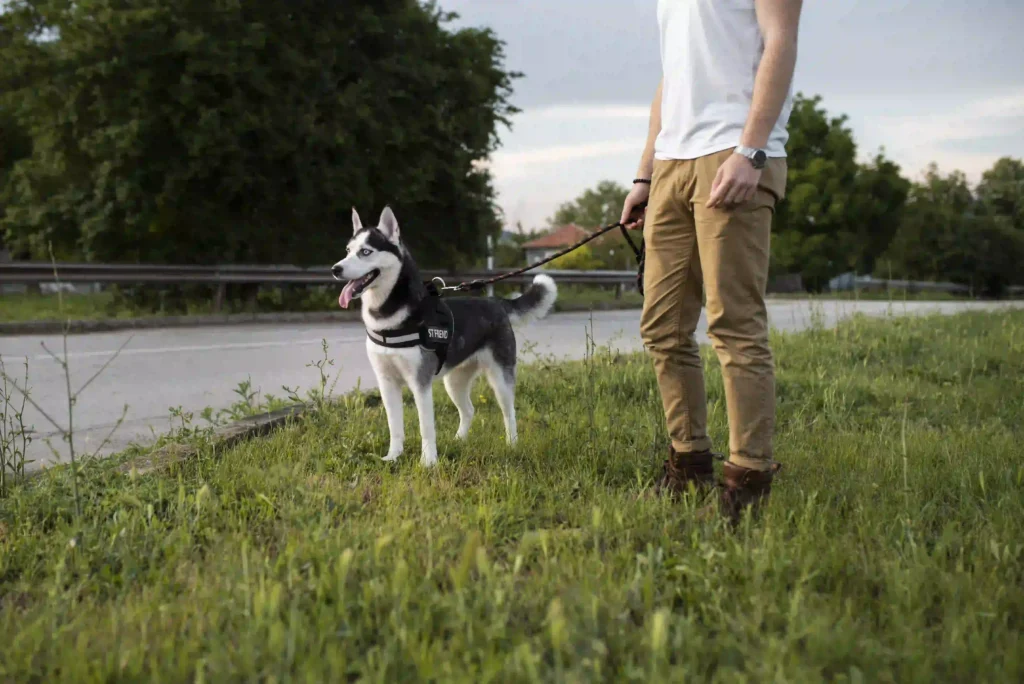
757 157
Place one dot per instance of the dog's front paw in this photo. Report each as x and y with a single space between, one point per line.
428 460
392 457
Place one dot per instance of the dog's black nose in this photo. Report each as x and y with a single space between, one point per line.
336 271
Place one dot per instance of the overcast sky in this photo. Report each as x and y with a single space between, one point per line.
928 80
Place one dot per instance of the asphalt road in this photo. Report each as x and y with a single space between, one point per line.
201 367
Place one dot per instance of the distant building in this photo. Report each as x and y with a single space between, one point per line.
555 241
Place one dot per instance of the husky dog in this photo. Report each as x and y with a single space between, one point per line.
381 272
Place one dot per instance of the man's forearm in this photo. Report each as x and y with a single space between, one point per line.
778 19
653 129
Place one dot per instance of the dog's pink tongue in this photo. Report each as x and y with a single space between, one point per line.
346 294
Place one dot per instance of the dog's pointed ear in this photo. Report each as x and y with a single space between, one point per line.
389 225
357 224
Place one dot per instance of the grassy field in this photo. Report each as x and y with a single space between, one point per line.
891 551
78 307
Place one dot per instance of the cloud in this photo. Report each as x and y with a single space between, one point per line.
565 138
995 115
954 139
577 112
523 163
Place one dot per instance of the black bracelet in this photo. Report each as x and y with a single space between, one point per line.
641 180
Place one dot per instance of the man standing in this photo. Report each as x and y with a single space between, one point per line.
712 172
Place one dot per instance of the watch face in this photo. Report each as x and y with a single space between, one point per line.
760 158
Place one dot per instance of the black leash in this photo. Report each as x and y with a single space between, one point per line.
637 251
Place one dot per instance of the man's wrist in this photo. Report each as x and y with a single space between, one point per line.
646 168
755 155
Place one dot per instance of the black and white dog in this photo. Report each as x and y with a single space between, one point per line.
396 302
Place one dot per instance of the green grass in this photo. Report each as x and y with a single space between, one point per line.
879 296
39 307
582 298
891 551
15 308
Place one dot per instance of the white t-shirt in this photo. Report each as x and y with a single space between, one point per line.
710 51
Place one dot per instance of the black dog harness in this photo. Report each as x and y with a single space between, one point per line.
433 329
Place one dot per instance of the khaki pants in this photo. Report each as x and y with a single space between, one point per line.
726 251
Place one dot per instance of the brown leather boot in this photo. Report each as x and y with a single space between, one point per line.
684 469
744 488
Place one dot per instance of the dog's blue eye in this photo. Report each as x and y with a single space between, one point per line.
365 252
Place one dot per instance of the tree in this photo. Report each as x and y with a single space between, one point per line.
876 204
15 145
1001 190
221 131
947 234
594 208
837 215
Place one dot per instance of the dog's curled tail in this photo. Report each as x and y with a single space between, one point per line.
535 303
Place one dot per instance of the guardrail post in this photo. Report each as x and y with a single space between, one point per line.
218 297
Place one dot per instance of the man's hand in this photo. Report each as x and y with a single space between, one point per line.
735 183
640 193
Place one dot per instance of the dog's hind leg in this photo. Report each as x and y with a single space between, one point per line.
459 383
391 396
424 395
503 382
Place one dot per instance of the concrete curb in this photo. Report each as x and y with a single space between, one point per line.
223 438
81 327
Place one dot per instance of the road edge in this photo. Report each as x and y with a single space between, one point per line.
84 327
225 437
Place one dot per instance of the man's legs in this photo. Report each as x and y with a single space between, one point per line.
734 253
672 305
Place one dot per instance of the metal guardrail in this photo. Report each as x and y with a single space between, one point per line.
848 282
40 273
29 273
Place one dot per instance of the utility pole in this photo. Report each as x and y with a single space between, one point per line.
490 263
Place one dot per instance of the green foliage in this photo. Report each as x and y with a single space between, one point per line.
890 550
594 208
838 215
581 259
509 256
612 252
949 234
508 253
1001 190
15 145
220 131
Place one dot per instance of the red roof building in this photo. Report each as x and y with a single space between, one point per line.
556 240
